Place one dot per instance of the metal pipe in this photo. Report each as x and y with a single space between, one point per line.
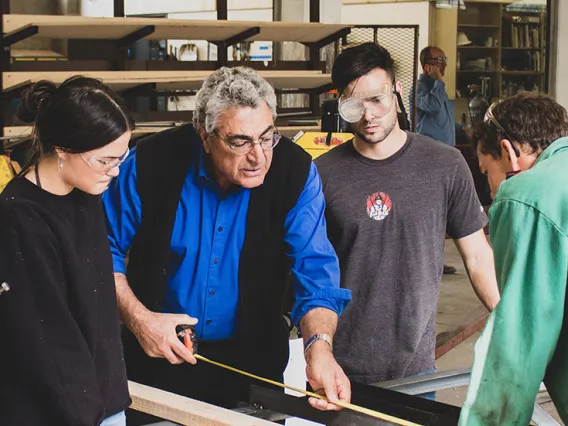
416 385
542 418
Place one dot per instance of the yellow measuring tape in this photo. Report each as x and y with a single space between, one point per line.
343 404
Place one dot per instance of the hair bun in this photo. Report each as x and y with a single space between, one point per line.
35 98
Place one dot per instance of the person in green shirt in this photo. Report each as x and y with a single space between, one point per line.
523 149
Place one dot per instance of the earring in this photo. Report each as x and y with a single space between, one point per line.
59 164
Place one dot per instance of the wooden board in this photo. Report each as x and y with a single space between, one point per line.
17 131
73 27
35 53
288 131
165 80
186 411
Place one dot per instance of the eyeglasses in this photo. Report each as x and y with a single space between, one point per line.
102 166
241 146
440 59
380 103
489 118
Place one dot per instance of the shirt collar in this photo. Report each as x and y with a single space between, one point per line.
553 149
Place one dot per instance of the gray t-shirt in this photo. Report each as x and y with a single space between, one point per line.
387 220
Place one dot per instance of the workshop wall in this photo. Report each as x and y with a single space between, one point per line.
136 7
390 14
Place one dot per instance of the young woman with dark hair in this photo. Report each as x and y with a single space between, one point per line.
61 356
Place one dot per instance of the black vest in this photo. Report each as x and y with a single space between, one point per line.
162 164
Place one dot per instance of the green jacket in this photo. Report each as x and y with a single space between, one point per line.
524 341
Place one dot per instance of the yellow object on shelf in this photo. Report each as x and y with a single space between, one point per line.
7 171
315 142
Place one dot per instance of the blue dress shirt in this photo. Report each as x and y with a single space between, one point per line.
208 236
435 111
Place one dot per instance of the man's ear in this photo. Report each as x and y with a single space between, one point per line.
507 151
205 140
399 88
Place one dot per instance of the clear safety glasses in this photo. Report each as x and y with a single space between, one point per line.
380 103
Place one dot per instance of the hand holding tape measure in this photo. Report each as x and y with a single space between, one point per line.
186 333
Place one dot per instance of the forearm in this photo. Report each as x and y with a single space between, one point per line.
481 271
130 309
318 321
478 259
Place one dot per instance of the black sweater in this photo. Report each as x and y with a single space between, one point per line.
61 357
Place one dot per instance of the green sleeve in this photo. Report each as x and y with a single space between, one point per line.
521 335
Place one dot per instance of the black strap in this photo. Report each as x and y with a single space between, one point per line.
38 181
403 121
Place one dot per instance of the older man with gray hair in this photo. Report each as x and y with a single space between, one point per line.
214 217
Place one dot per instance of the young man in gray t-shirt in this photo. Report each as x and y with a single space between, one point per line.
391 198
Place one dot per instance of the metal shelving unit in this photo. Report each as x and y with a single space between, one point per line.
103 52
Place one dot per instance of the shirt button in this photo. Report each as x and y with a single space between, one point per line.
208 321
212 292
215 261
220 229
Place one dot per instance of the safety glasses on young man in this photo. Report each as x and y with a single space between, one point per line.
379 103
490 119
104 165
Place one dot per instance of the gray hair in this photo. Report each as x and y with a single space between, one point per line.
229 88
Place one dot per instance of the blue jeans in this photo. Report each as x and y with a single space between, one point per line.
116 420
428 395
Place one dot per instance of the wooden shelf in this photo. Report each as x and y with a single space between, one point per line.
150 128
165 80
501 72
26 54
477 47
522 72
78 27
477 26
521 48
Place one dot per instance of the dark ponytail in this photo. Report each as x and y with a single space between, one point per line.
80 115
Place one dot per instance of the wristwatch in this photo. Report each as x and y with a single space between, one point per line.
316 337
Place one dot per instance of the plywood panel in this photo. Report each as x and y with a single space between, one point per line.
34 53
288 131
166 80
20 131
74 27
186 411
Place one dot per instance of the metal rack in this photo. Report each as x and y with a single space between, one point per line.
102 52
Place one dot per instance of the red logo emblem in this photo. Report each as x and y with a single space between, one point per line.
379 206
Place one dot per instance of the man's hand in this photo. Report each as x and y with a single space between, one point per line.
434 72
156 333
326 377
